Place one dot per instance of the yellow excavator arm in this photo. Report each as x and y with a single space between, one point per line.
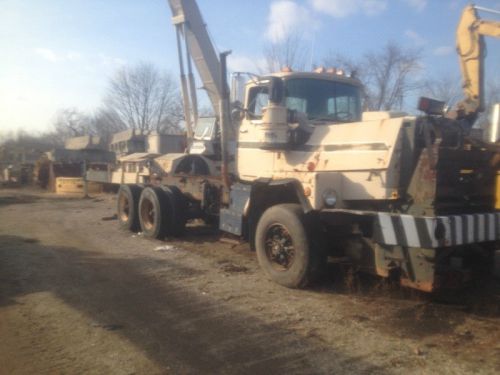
471 51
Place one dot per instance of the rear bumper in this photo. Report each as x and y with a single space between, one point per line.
434 232
425 253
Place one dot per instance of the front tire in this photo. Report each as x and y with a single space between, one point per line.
284 246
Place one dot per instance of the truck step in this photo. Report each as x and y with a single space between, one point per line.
231 218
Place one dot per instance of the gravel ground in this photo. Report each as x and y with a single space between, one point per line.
80 296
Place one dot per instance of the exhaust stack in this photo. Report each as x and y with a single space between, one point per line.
224 118
494 124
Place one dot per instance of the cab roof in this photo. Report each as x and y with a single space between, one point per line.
312 75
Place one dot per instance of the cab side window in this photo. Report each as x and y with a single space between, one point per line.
258 99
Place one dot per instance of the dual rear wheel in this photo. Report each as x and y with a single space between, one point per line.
162 212
158 212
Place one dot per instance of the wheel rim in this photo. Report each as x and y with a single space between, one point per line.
147 214
124 205
279 247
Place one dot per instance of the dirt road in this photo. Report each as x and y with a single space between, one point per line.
79 296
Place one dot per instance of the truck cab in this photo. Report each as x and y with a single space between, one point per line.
283 110
309 126
324 97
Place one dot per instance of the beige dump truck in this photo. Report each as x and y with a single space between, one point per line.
298 170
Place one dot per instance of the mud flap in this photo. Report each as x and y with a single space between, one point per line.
416 266
418 271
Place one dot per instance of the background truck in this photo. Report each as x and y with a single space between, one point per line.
299 171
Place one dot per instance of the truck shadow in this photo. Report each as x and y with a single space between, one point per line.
481 298
31 195
174 325
7 200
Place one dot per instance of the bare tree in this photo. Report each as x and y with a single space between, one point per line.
70 122
33 144
139 97
172 122
290 52
448 88
492 92
105 122
349 64
445 88
144 98
492 96
388 75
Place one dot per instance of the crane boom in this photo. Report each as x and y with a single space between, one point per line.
198 48
189 24
471 51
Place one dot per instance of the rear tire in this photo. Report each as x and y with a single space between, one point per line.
152 208
284 246
127 207
175 211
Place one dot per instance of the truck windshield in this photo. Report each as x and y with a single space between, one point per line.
205 128
324 100
321 100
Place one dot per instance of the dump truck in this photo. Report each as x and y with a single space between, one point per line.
298 170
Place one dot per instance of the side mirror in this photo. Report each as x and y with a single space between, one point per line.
237 111
237 114
276 90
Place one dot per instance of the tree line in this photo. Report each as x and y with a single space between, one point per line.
391 74
138 97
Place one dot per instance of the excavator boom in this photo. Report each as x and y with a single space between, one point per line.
471 51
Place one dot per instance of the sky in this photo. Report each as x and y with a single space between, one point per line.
56 54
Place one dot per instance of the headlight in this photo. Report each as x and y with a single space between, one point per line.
330 198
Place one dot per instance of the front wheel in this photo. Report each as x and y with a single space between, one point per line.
284 248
